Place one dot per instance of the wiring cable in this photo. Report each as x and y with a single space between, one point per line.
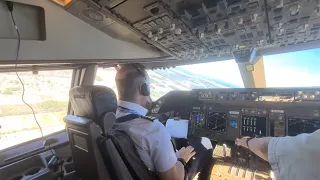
10 7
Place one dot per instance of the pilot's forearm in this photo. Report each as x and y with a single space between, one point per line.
180 170
175 173
259 146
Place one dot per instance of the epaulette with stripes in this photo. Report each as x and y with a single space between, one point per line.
150 118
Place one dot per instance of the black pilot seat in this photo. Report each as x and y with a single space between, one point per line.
100 152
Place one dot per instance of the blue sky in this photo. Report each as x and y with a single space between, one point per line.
294 69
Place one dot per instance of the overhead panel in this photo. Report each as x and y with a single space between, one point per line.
207 29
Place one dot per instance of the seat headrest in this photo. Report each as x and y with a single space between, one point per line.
108 121
93 102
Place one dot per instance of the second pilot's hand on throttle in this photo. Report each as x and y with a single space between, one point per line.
259 146
186 153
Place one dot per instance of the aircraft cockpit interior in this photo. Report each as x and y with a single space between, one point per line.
230 68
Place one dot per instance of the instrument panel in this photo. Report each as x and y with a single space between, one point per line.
223 115
226 114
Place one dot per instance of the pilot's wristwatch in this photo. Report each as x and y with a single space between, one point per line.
183 162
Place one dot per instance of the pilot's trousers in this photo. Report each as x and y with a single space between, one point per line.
202 161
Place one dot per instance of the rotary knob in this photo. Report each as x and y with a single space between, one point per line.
299 92
302 28
254 17
280 32
178 31
150 35
317 93
294 10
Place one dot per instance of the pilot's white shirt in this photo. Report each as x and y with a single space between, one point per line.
295 158
151 139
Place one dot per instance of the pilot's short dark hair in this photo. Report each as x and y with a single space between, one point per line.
129 79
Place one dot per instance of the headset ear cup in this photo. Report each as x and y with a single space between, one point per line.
145 90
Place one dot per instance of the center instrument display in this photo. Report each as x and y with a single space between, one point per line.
254 126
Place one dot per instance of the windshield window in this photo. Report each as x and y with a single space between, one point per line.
294 69
222 74
47 93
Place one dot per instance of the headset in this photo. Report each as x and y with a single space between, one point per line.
144 87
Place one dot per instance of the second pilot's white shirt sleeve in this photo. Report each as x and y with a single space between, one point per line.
162 153
295 158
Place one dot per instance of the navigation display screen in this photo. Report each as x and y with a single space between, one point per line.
217 121
299 125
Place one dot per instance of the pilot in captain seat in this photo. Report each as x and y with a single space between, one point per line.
150 137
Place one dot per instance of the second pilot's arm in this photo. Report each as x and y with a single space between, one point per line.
290 157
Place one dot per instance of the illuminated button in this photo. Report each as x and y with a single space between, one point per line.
201 35
240 21
305 96
317 93
160 31
172 27
242 46
312 97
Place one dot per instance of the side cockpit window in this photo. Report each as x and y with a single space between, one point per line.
46 92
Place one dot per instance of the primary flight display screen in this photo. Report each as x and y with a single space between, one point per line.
254 126
298 125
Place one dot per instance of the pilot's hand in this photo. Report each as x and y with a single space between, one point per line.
186 153
242 142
